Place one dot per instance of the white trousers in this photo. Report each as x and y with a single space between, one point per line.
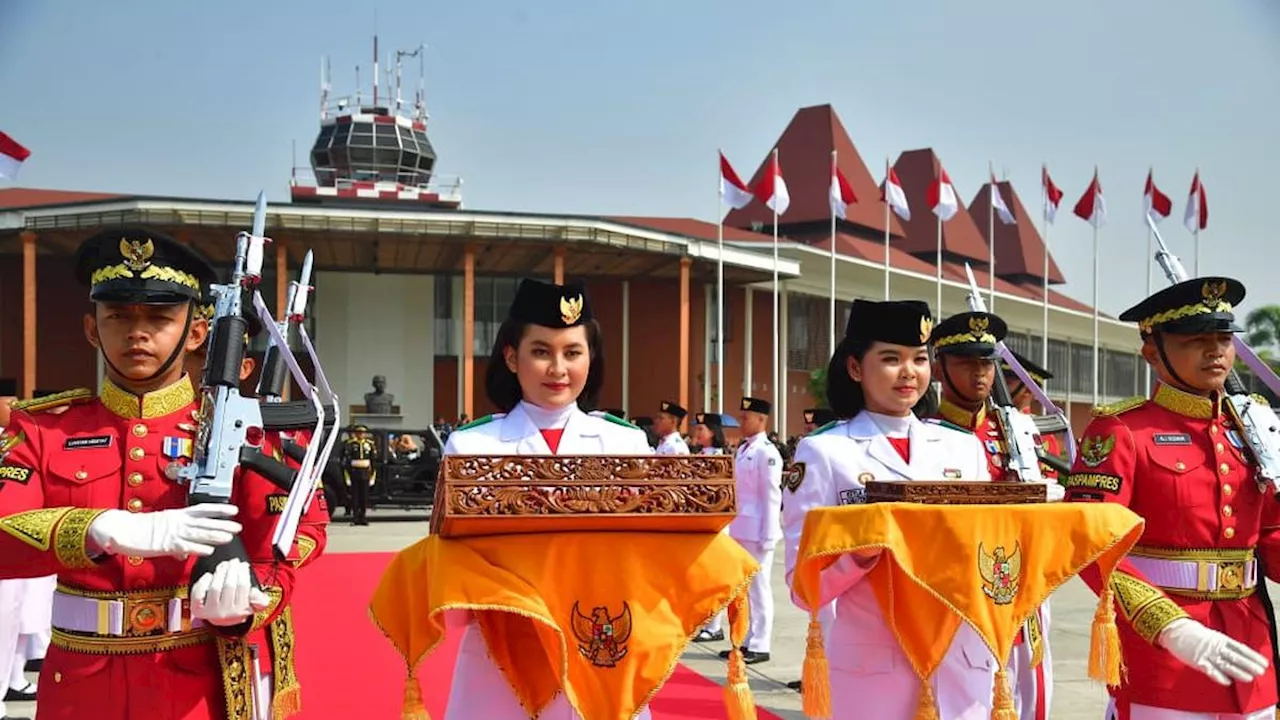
1029 682
759 602
480 691
1146 712
11 592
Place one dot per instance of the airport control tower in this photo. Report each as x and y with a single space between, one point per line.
375 152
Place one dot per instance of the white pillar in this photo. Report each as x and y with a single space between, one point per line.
748 387
626 347
780 412
456 291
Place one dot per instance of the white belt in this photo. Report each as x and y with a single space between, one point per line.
119 617
1198 575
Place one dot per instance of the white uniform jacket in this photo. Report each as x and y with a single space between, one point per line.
870 675
758 471
479 690
673 444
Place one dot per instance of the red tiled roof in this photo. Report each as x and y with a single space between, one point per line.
689 227
1020 250
916 170
955 271
804 155
872 251
12 198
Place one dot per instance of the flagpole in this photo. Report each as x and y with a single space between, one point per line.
1196 235
1095 306
1146 389
991 239
1044 279
886 227
777 371
720 293
831 330
939 269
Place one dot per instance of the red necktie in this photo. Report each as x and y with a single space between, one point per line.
553 438
902 445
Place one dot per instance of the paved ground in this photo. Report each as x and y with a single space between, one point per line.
1075 696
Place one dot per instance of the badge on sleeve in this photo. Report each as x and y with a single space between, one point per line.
793 476
1094 450
9 442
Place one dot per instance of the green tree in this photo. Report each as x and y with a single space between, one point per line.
818 387
1262 332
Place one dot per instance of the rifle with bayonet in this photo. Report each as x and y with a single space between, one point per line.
1018 431
1258 423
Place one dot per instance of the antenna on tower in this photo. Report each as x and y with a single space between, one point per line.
375 69
358 101
324 88
418 52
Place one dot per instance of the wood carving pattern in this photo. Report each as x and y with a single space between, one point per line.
955 493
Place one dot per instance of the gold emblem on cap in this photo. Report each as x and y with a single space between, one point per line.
570 310
746 404
926 329
700 418
1212 292
978 326
665 406
137 253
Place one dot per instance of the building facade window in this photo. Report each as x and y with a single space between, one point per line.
809 330
493 296
713 336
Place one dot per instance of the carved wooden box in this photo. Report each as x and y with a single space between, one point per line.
955 493
483 495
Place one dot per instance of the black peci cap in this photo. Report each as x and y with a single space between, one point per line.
750 404
711 420
818 416
137 265
1200 305
899 322
1036 372
553 306
673 409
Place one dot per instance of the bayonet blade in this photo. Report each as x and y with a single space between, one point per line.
260 215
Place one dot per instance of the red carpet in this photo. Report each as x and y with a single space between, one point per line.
348 668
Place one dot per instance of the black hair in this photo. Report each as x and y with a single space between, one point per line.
503 387
844 394
717 436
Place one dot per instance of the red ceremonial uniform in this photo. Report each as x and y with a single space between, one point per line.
982 425
1177 460
116 451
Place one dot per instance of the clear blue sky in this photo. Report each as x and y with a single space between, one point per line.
619 107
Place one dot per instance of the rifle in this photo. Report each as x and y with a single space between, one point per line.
1018 430
1259 425
230 425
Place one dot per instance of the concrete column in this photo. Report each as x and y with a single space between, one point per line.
626 347
468 329
559 265
28 314
706 347
747 342
685 264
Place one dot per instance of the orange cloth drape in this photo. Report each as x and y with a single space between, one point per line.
611 612
990 566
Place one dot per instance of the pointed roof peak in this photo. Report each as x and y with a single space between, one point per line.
917 169
1020 249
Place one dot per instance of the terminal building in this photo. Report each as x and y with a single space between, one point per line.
411 284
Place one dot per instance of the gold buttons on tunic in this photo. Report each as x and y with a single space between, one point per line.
1227 489
1226 510
1229 533
135 479
137 453
134 560
81 475
135 505
140 430
1180 466
57 677
1219 447
1224 468
1213 429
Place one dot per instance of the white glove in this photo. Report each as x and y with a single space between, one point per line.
1211 652
226 596
194 530
1054 491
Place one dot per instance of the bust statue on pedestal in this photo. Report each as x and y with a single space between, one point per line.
379 402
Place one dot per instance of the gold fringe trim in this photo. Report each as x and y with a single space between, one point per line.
738 701
1002 698
1104 641
815 678
413 708
927 708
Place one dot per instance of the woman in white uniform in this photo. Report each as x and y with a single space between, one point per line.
878 386
546 366
708 434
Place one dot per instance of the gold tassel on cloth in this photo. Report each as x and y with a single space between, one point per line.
815 679
1104 646
413 708
927 708
1002 702
737 692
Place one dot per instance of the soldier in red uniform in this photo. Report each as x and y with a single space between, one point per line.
965 361
1195 635
90 494
1023 398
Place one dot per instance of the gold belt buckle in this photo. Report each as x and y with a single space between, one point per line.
144 617
1231 575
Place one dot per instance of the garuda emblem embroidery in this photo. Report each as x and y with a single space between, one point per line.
978 327
137 253
570 310
602 639
1211 293
1094 450
793 476
926 329
1000 573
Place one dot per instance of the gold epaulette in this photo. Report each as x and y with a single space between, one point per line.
1119 406
47 402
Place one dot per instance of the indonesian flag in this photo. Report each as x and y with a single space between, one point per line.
1157 204
891 192
1197 215
841 195
1052 194
11 156
1092 207
942 197
732 189
997 203
772 190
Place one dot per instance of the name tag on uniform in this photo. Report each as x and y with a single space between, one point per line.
177 447
1171 439
951 473
854 496
89 441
